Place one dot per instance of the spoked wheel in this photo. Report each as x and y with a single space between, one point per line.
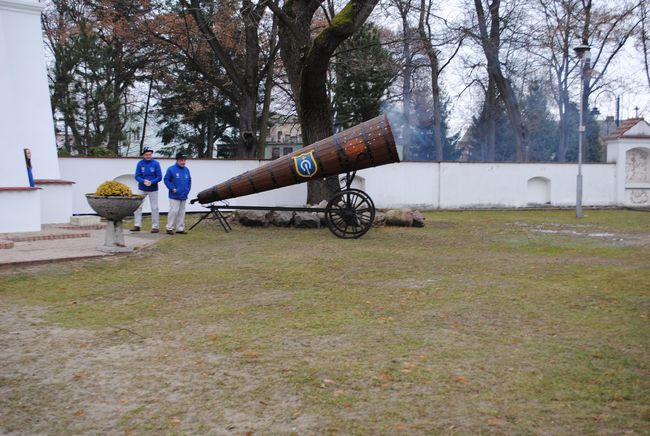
350 213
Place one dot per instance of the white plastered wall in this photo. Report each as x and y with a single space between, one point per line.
422 185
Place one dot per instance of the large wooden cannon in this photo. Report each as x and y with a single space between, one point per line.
349 212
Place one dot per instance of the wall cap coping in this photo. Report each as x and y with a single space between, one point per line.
21 6
17 188
53 182
203 159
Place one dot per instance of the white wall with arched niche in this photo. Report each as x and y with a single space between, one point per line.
637 176
539 191
629 149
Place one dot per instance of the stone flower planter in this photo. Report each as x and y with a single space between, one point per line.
114 210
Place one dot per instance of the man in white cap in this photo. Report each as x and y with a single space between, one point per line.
148 174
179 182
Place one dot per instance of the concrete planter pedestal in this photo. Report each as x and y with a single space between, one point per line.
114 210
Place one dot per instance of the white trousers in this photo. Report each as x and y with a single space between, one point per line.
155 214
176 215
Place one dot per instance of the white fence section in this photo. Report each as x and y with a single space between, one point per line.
422 185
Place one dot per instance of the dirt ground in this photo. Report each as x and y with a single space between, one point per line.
59 381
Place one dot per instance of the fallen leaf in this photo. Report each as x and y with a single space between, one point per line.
124 401
264 403
494 421
175 421
328 381
338 392
462 380
80 412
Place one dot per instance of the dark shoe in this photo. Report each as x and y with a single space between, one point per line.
155 231
135 229
181 232
170 232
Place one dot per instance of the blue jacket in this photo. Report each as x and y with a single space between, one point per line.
178 178
148 170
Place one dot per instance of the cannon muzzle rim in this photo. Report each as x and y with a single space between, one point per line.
194 200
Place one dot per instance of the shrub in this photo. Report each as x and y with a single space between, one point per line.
113 189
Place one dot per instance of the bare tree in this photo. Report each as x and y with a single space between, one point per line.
433 54
490 42
567 23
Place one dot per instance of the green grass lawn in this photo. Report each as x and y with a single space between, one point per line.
482 322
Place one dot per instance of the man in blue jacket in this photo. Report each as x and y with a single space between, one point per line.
148 174
179 182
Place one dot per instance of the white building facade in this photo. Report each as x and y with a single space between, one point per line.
26 122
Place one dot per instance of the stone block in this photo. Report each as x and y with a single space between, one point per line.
418 219
280 218
306 220
85 220
252 218
399 217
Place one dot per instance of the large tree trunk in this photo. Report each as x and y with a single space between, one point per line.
209 137
247 126
563 139
491 111
268 88
437 113
435 73
406 78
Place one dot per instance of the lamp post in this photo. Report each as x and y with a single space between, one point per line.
582 51
617 99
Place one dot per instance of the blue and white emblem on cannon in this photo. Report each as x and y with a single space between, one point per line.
305 164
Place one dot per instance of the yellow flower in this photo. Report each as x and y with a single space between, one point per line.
113 189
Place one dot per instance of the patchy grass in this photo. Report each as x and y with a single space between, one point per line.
477 323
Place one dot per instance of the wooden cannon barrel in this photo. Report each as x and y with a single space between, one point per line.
368 144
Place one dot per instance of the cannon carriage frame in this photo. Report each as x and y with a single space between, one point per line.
349 213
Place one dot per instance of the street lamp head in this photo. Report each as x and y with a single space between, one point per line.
581 49
595 112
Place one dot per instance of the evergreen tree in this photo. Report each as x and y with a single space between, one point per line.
97 57
422 144
195 116
591 144
504 149
542 129
364 70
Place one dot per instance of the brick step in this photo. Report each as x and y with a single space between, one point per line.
5 243
86 227
46 237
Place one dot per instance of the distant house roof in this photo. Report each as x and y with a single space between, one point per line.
634 127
